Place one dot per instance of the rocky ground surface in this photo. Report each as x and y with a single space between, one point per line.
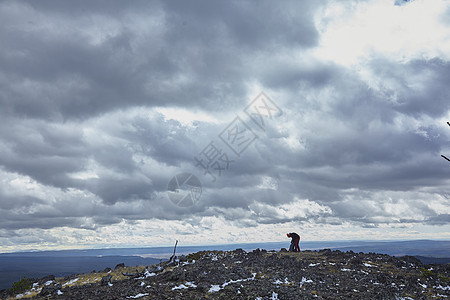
259 274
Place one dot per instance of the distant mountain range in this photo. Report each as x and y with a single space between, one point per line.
15 266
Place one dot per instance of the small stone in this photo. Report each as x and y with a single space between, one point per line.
106 280
119 266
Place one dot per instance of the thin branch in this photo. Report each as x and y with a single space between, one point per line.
174 249
445 157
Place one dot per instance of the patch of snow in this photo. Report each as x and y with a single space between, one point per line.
332 263
19 296
185 286
137 296
345 270
304 280
313 265
35 284
59 292
368 265
423 285
445 288
191 284
238 262
142 283
181 286
110 284
48 282
146 275
274 296
70 281
278 281
214 288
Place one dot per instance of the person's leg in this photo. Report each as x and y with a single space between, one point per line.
297 247
292 246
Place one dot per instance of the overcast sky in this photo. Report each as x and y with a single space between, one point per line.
103 103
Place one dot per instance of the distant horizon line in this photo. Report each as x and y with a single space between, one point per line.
218 244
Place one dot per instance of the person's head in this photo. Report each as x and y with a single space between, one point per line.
288 235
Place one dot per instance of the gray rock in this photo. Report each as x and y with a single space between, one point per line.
119 266
106 280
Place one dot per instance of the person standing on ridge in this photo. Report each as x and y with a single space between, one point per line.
294 242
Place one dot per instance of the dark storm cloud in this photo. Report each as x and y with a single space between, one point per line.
78 83
420 85
60 63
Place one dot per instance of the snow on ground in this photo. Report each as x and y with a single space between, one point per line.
185 286
304 280
442 287
137 296
48 282
345 270
423 285
216 287
369 264
146 275
278 281
70 282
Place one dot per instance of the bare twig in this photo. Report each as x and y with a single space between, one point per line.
448 123
174 249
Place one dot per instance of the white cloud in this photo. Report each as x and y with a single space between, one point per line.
352 34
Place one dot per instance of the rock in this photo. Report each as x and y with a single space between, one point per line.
46 279
283 250
203 287
106 270
238 274
106 280
50 289
119 266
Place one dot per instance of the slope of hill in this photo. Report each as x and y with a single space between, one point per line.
238 274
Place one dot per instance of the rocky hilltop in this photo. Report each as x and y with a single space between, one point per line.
259 274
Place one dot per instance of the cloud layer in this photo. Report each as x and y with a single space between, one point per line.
102 104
